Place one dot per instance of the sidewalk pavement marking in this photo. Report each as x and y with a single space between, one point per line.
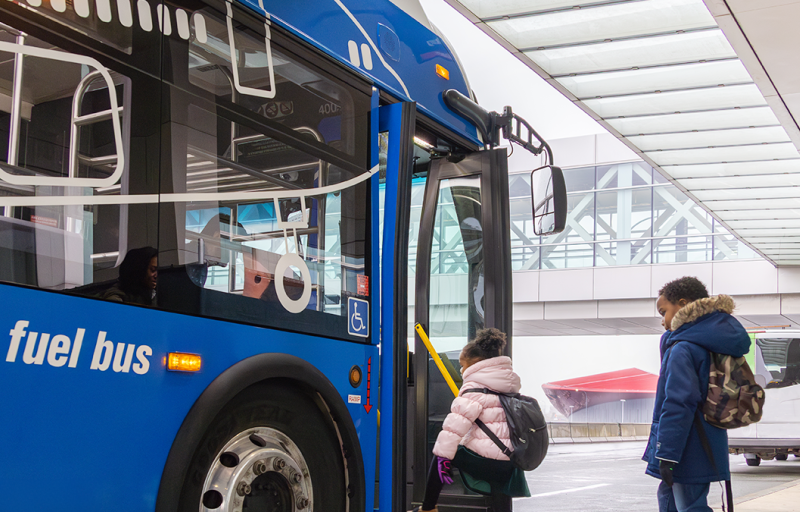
553 493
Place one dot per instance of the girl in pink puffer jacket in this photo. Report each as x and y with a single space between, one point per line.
482 366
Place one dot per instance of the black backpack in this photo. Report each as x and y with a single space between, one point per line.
526 425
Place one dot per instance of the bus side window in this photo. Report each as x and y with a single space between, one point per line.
65 139
301 98
289 248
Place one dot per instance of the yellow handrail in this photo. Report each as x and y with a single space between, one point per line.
436 358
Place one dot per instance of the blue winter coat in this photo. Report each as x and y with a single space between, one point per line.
699 327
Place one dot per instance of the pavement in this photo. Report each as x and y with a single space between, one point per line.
609 477
783 498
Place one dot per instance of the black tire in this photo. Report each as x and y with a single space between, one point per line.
753 462
781 456
284 407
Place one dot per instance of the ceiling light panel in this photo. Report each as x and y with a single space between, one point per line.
754 182
746 233
688 121
669 102
663 75
614 21
733 169
710 138
706 45
493 8
751 203
766 194
777 246
738 225
725 154
657 79
787 213
769 240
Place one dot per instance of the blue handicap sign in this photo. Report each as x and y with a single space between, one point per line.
357 317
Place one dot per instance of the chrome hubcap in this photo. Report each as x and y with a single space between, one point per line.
260 469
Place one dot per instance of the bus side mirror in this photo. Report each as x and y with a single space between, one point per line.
549 195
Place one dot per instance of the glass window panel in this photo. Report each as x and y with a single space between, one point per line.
492 8
579 179
624 214
109 31
609 22
525 257
735 169
688 121
417 196
623 175
734 154
710 138
619 55
657 79
781 367
567 256
321 108
682 249
771 180
700 99
580 221
674 214
519 185
57 246
658 177
622 253
275 244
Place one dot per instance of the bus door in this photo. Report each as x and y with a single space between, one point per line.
463 284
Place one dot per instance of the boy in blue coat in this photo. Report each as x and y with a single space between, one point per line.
695 324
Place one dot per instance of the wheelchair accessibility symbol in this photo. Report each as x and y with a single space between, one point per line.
357 317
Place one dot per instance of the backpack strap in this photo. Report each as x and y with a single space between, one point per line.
698 425
486 430
503 448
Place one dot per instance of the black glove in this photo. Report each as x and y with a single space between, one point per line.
666 468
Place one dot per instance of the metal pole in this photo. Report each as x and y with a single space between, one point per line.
16 115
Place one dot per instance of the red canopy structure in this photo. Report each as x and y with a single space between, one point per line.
572 395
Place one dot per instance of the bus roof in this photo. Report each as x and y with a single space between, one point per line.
382 42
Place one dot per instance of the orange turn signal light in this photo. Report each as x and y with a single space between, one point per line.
182 362
442 72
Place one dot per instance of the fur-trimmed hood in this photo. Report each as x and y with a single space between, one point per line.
708 322
700 307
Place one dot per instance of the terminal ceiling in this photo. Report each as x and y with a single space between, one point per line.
708 93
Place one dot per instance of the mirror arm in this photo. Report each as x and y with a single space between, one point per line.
477 115
491 124
511 126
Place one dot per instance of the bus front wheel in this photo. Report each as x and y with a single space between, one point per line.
270 449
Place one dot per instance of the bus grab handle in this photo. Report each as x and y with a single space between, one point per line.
436 358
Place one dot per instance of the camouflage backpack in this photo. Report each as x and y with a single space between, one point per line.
734 399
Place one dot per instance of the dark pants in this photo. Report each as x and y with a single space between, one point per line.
500 502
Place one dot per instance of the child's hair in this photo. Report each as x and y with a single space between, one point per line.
689 288
487 343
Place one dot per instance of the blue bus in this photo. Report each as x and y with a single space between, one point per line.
204 251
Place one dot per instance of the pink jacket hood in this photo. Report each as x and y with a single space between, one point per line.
495 373
459 427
